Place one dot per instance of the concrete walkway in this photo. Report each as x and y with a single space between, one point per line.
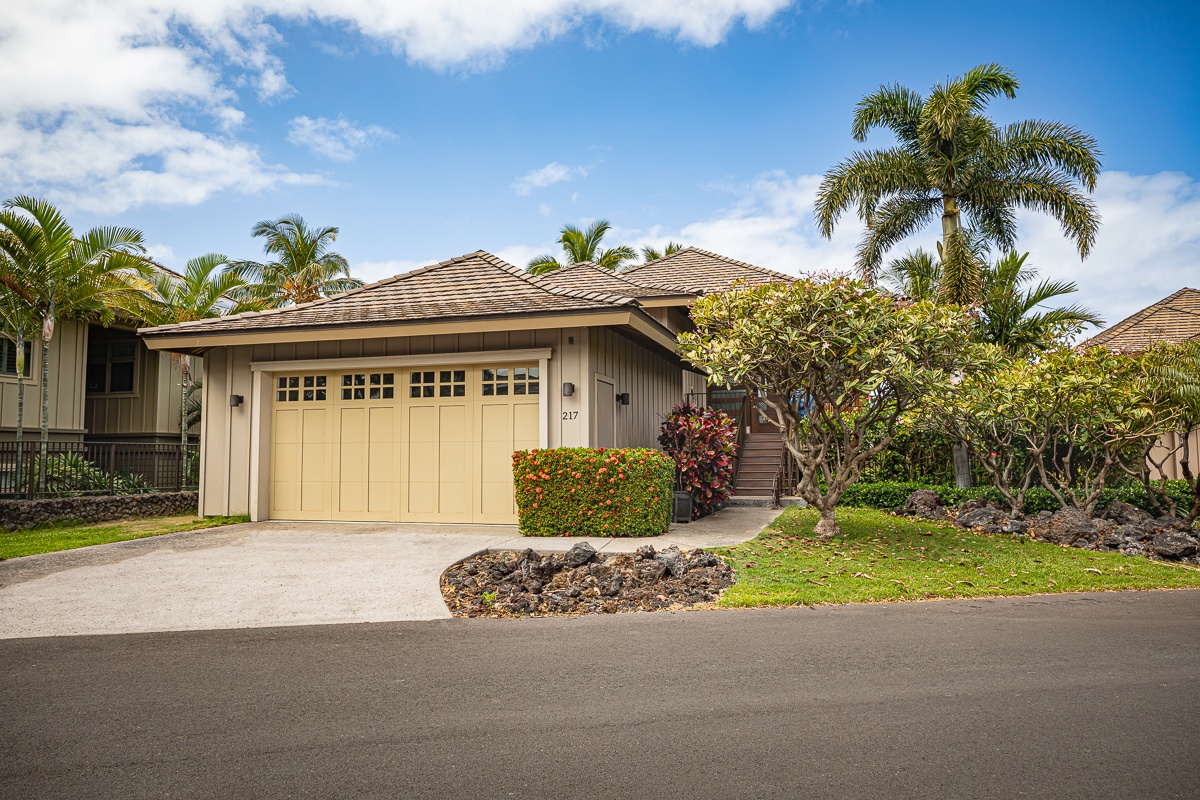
257 575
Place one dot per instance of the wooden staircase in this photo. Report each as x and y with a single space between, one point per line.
760 459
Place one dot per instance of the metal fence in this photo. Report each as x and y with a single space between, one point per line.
71 469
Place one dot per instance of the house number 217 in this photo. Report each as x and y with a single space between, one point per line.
570 414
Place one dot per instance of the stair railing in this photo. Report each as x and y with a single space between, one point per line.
743 422
787 477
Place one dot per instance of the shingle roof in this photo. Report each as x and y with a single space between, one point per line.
1172 319
586 276
474 285
695 271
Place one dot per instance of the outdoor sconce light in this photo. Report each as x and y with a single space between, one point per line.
235 400
568 389
623 398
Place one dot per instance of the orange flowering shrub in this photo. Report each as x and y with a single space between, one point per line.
580 491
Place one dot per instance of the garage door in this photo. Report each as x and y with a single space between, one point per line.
432 444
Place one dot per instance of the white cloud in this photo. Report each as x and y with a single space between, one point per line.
162 253
337 139
548 175
156 82
1148 247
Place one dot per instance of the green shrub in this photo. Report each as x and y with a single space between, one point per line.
580 491
890 494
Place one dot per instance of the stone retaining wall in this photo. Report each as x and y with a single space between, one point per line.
16 514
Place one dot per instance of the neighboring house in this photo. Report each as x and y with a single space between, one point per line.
1173 319
404 400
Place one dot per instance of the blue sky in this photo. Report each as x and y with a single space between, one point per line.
426 130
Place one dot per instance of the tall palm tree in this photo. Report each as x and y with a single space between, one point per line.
651 254
99 275
204 291
584 245
18 321
952 160
303 269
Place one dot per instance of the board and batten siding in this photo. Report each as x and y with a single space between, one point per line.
152 410
652 381
68 352
229 434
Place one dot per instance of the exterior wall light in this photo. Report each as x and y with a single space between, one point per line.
623 398
568 389
235 400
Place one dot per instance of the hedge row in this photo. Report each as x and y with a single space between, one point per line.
890 494
579 491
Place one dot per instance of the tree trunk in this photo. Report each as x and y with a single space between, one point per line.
183 426
44 452
827 526
962 466
20 407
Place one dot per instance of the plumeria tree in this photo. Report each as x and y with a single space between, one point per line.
1173 391
839 362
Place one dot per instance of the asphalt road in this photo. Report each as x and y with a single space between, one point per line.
1072 696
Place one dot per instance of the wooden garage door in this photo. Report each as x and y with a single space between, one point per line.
411 445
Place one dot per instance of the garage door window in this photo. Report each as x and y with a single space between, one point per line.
301 389
438 383
503 381
369 386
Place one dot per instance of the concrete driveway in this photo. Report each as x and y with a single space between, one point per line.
275 573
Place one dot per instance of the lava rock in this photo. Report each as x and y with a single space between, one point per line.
1015 526
1168 523
671 559
1173 546
1067 526
646 551
925 503
1124 514
579 555
988 515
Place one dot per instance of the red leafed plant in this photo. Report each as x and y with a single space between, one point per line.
702 443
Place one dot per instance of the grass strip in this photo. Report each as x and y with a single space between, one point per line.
880 558
67 536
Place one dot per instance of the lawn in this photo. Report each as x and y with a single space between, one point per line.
49 538
880 557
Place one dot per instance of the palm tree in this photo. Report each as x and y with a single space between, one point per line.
650 254
580 246
203 292
1010 315
304 268
18 320
951 159
95 276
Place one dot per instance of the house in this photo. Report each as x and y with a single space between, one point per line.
404 400
1173 319
105 385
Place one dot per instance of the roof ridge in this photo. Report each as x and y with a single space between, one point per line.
1118 328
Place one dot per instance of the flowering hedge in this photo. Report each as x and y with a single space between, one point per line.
579 491
701 441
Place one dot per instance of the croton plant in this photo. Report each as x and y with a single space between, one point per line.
702 443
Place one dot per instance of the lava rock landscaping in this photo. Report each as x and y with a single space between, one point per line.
582 581
1120 527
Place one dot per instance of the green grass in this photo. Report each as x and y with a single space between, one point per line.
49 538
880 558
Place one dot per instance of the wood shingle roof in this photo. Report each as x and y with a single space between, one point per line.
1172 319
586 276
695 271
478 284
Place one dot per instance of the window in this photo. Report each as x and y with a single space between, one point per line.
8 357
110 367
502 381
369 386
301 388
438 383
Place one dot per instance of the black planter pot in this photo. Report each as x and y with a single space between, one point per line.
683 507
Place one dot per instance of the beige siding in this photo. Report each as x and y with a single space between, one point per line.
67 362
652 381
152 410
1173 468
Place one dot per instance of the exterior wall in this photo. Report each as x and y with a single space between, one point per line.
68 351
151 412
652 381
230 434
1172 468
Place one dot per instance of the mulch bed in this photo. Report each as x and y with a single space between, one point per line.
582 581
